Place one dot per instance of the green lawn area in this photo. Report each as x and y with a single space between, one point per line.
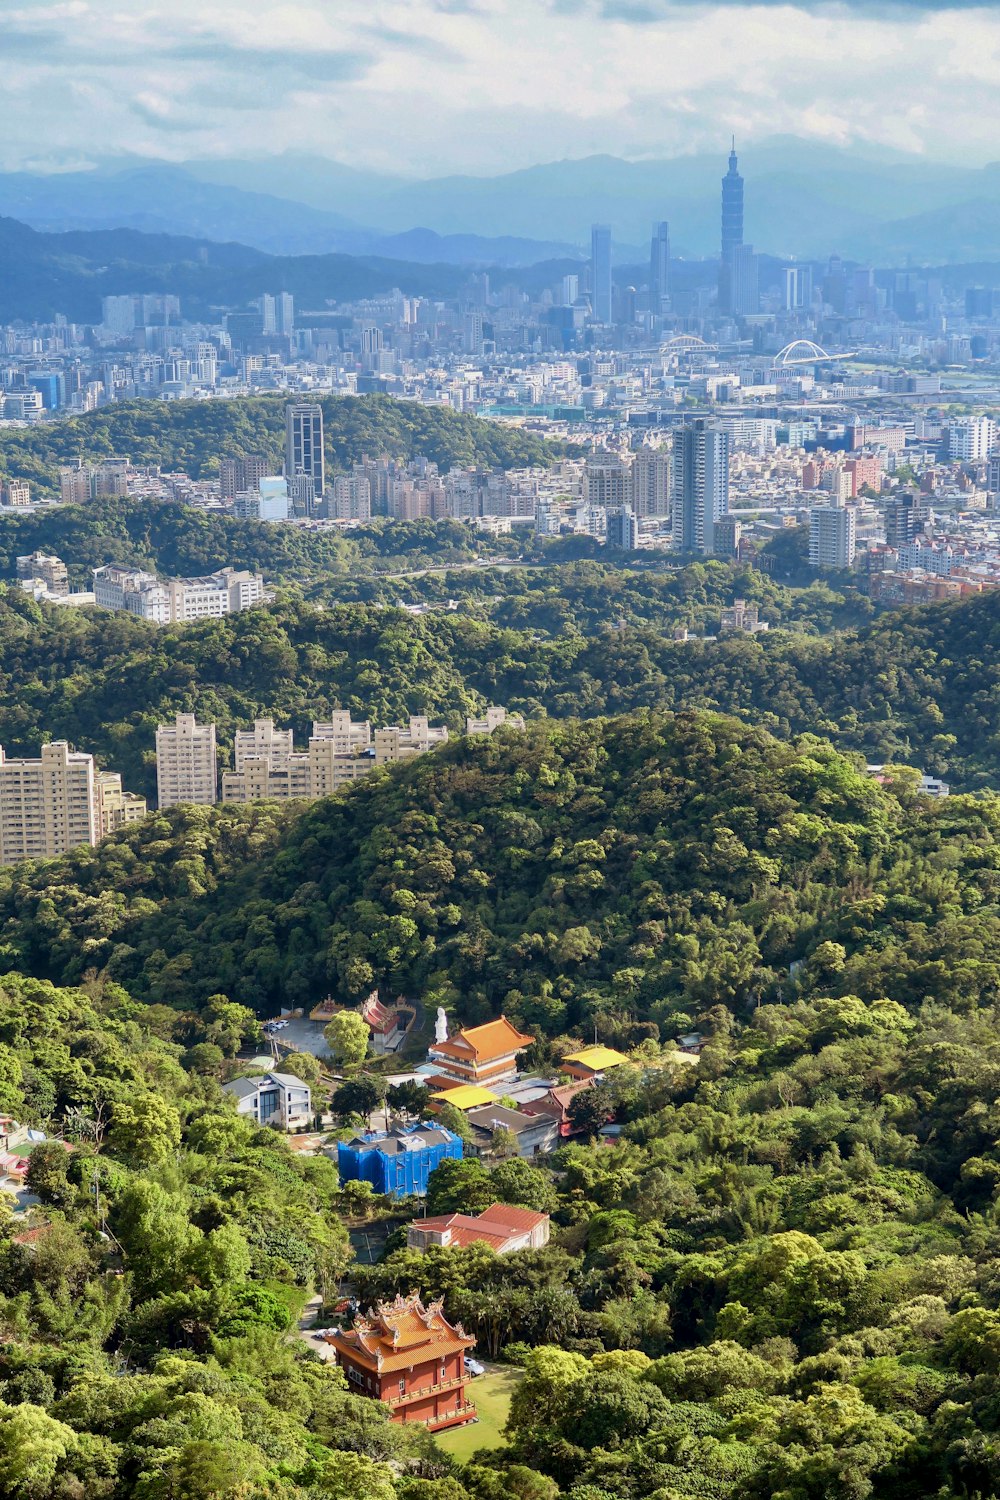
491 1393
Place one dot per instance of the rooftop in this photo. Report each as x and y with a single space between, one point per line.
494 1039
598 1058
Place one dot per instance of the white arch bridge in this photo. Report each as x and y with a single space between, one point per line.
805 352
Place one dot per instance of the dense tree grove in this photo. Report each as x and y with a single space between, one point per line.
918 686
780 1280
191 436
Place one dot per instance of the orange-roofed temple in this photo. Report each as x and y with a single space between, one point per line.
411 1358
481 1055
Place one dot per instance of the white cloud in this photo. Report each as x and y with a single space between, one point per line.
427 86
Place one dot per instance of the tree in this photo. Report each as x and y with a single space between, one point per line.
48 1168
358 1096
33 1448
347 1037
353 1476
146 1128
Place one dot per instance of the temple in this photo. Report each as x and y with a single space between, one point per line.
412 1359
483 1055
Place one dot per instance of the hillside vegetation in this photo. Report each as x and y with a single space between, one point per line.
191 436
781 1281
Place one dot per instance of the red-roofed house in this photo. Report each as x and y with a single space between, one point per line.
500 1226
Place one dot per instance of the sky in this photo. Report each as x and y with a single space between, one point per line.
425 87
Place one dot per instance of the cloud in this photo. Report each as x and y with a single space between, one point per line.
427 87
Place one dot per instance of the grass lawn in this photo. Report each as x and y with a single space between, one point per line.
491 1393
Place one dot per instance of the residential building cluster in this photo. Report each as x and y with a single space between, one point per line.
59 801
168 601
267 766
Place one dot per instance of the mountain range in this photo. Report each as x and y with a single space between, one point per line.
803 198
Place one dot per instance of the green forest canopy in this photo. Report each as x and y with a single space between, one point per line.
191 436
782 1280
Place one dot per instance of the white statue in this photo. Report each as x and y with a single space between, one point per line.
441 1026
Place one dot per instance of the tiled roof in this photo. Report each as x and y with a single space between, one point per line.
492 1040
514 1220
597 1058
400 1334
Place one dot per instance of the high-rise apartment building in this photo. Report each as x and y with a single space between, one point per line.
622 528
48 805
241 473
262 739
600 272
832 536
970 439
607 481
304 445
651 482
59 802
699 487
659 268
47 568
17 492
186 762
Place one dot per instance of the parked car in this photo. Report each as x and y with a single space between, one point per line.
473 1367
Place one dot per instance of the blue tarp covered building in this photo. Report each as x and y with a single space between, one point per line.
397 1162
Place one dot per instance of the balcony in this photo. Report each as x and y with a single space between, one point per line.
424 1390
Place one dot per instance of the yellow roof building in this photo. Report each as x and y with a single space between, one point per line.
465 1096
591 1060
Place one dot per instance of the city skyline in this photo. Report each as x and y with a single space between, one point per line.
177 85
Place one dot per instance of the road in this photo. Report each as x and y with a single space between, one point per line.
304 1329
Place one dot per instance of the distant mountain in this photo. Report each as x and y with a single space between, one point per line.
42 274
166 200
803 197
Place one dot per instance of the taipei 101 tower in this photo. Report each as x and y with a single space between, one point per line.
737 270
732 209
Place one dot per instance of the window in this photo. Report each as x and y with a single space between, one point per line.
402 1385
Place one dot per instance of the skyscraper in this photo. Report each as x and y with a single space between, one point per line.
699 487
304 445
732 229
732 208
600 271
744 288
659 267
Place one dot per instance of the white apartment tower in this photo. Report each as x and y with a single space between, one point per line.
699 489
48 805
186 762
832 536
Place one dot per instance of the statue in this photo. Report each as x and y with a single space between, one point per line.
441 1026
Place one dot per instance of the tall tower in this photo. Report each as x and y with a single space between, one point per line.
659 267
600 271
699 485
304 445
732 233
732 208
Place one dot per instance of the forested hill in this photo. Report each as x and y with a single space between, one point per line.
920 687
191 436
640 869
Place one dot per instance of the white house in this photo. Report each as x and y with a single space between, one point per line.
273 1099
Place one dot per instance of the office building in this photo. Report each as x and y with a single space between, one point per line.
622 528
797 288
570 290
699 485
186 762
304 451
659 268
47 568
600 272
59 802
118 314
651 482
284 313
832 536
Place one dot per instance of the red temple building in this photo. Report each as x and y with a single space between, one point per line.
411 1358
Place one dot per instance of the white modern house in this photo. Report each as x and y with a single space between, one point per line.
278 1099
